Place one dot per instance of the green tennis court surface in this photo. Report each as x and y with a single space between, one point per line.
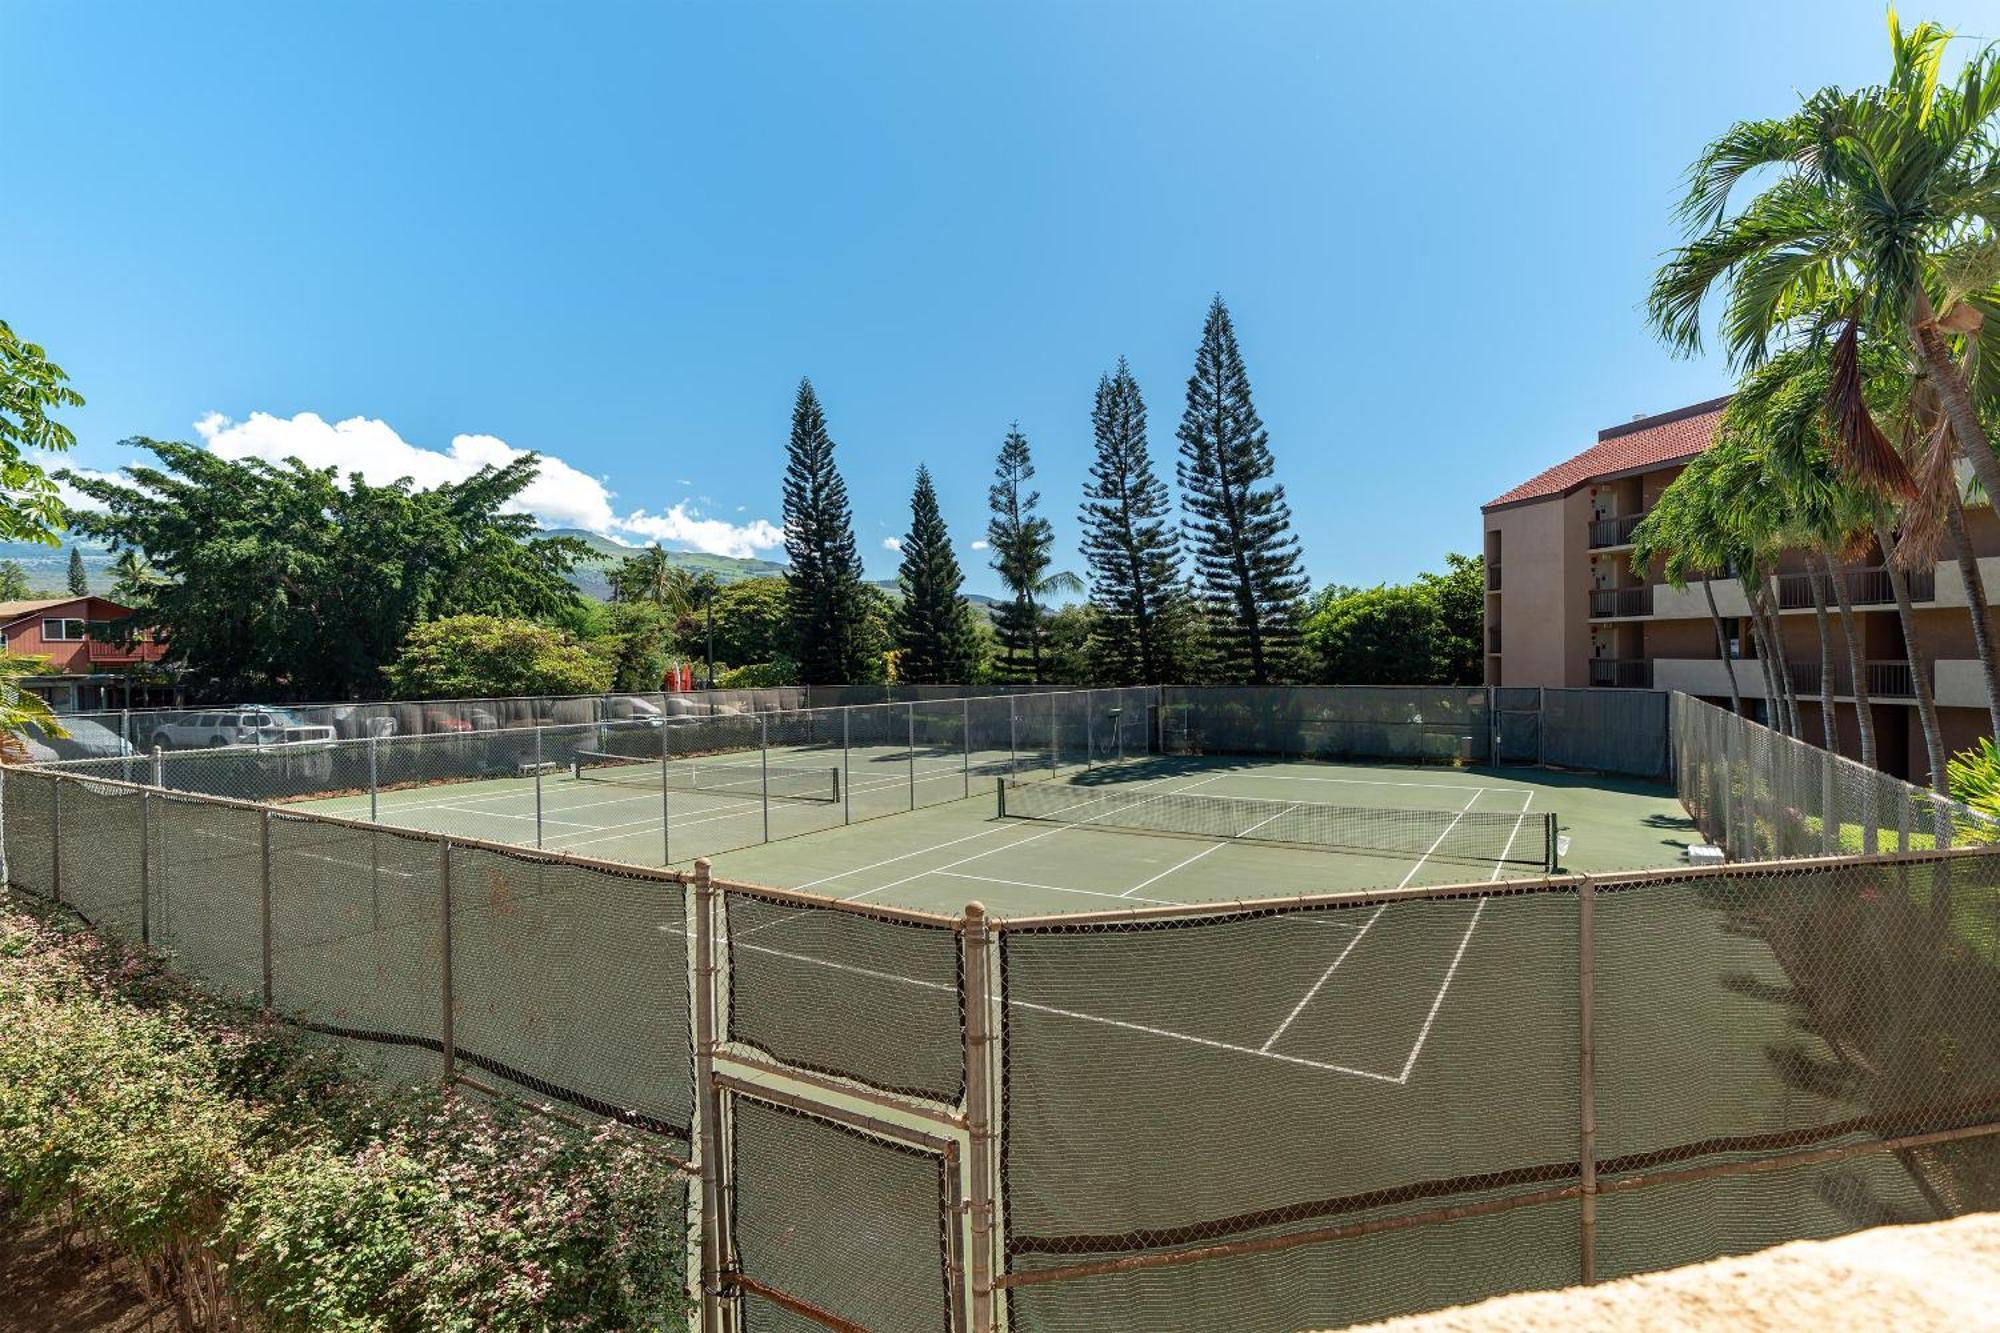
868 846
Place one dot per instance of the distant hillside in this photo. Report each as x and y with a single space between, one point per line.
47 567
590 576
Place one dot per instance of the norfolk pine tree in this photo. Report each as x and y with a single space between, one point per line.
933 624
823 596
79 582
1138 636
1238 526
1022 542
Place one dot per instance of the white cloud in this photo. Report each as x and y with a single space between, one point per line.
560 496
892 543
70 496
979 545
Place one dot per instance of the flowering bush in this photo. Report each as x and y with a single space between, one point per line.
247 1170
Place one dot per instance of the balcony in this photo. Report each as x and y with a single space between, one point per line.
1628 673
1493 639
111 653
1608 532
1865 587
1493 577
1607 603
1888 679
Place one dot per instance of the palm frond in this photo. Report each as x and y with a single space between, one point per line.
1860 447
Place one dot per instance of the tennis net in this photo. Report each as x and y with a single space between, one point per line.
723 779
1456 834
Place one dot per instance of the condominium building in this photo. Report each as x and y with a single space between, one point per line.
1567 606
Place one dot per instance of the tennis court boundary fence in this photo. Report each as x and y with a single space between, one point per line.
831 1070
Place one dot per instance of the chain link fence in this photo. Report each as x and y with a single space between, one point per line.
1294 1113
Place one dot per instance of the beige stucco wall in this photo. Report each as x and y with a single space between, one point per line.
1543 602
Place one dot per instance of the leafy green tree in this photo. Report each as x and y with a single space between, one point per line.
752 622
824 598
1023 544
1460 594
79 580
1238 524
274 575
933 622
636 640
1130 546
649 576
1069 636
1391 635
133 579
31 388
13 581
476 656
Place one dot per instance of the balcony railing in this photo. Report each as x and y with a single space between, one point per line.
1616 531
1632 673
1888 679
1621 601
1865 587
110 652
1493 577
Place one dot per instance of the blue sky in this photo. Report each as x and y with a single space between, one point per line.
618 235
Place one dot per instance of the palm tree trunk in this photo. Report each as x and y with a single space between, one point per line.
1773 705
1829 729
1781 666
1956 398
1864 711
1722 646
1975 599
1920 682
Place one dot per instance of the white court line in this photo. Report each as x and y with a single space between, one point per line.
1362 782
1438 1001
1167 1033
1052 888
938 847
1204 852
1300 1007
976 856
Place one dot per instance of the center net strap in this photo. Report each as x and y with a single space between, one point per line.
751 780
1459 834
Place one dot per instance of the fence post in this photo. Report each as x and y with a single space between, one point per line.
538 784
1013 745
1541 722
764 768
979 1104
125 726
55 839
965 740
159 767
708 1107
374 780
145 868
666 804
846 773
264 898
446 1031
1586 904
1054 749
910 747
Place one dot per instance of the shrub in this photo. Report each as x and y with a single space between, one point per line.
465 657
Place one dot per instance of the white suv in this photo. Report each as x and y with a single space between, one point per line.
247 724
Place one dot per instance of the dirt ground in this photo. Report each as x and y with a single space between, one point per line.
1915 1279
45 1290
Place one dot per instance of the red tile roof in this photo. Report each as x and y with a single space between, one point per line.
1635 446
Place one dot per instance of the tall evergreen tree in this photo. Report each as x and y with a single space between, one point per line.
933 625
823 593
79 582
1238 525
1132 550
1023 544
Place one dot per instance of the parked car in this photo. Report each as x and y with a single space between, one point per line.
86 740
246 724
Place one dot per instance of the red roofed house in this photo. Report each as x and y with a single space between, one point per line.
91 666
1565 607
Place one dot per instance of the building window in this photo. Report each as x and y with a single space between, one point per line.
56 630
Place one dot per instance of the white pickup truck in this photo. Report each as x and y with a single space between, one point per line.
247 724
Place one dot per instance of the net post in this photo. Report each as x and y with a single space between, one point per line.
910 747
764 768
1001 785
1586 903
264 898
538 784
446 1032
708 1105
965 740
1549 822
375 782
55 839
145 867
846 772
980 1110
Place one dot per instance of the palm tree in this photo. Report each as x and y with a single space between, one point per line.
20 707
650 577
1880 215
1684 534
